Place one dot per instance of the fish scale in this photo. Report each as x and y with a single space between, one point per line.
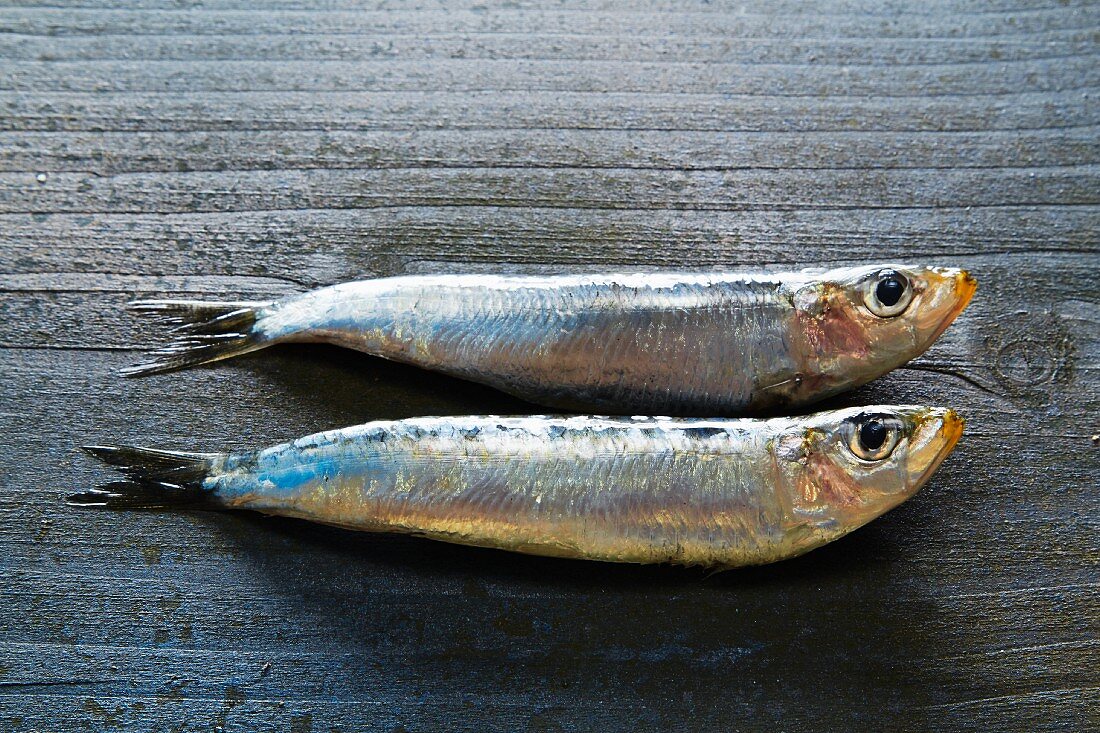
678 343
715 492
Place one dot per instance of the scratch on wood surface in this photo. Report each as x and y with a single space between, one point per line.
1030 589
1028 649
1019 697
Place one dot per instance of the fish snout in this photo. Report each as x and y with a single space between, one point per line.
935 435
946 293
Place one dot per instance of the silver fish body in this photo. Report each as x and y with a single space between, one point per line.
718 493
653 343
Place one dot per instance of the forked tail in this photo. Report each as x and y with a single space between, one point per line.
202 332
155 479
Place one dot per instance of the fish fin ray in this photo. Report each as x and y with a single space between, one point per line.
202 332
154 479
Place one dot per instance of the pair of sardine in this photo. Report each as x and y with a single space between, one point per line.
714 492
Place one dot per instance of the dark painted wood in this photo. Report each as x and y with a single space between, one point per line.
234 148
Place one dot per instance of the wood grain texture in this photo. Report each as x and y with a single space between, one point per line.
254 149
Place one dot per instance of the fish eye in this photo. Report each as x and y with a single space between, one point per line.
873 437
888 294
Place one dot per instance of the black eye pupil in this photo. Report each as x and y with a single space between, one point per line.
872 435
889 290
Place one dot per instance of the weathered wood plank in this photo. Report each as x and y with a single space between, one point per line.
169 151
626 189
695 49
994 78
489 110
322 246
778 7
537 20
255 149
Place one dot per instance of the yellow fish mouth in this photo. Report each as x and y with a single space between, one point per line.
953 426
937 447
963 286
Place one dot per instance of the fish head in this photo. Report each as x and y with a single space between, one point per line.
843 468
854 324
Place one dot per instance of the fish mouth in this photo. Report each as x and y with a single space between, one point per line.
952 430
963 286
940 445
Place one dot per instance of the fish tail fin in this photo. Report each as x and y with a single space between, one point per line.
155 479
202 332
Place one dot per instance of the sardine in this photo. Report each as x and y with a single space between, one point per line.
654 343
711 492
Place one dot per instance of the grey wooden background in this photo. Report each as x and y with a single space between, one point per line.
237 147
